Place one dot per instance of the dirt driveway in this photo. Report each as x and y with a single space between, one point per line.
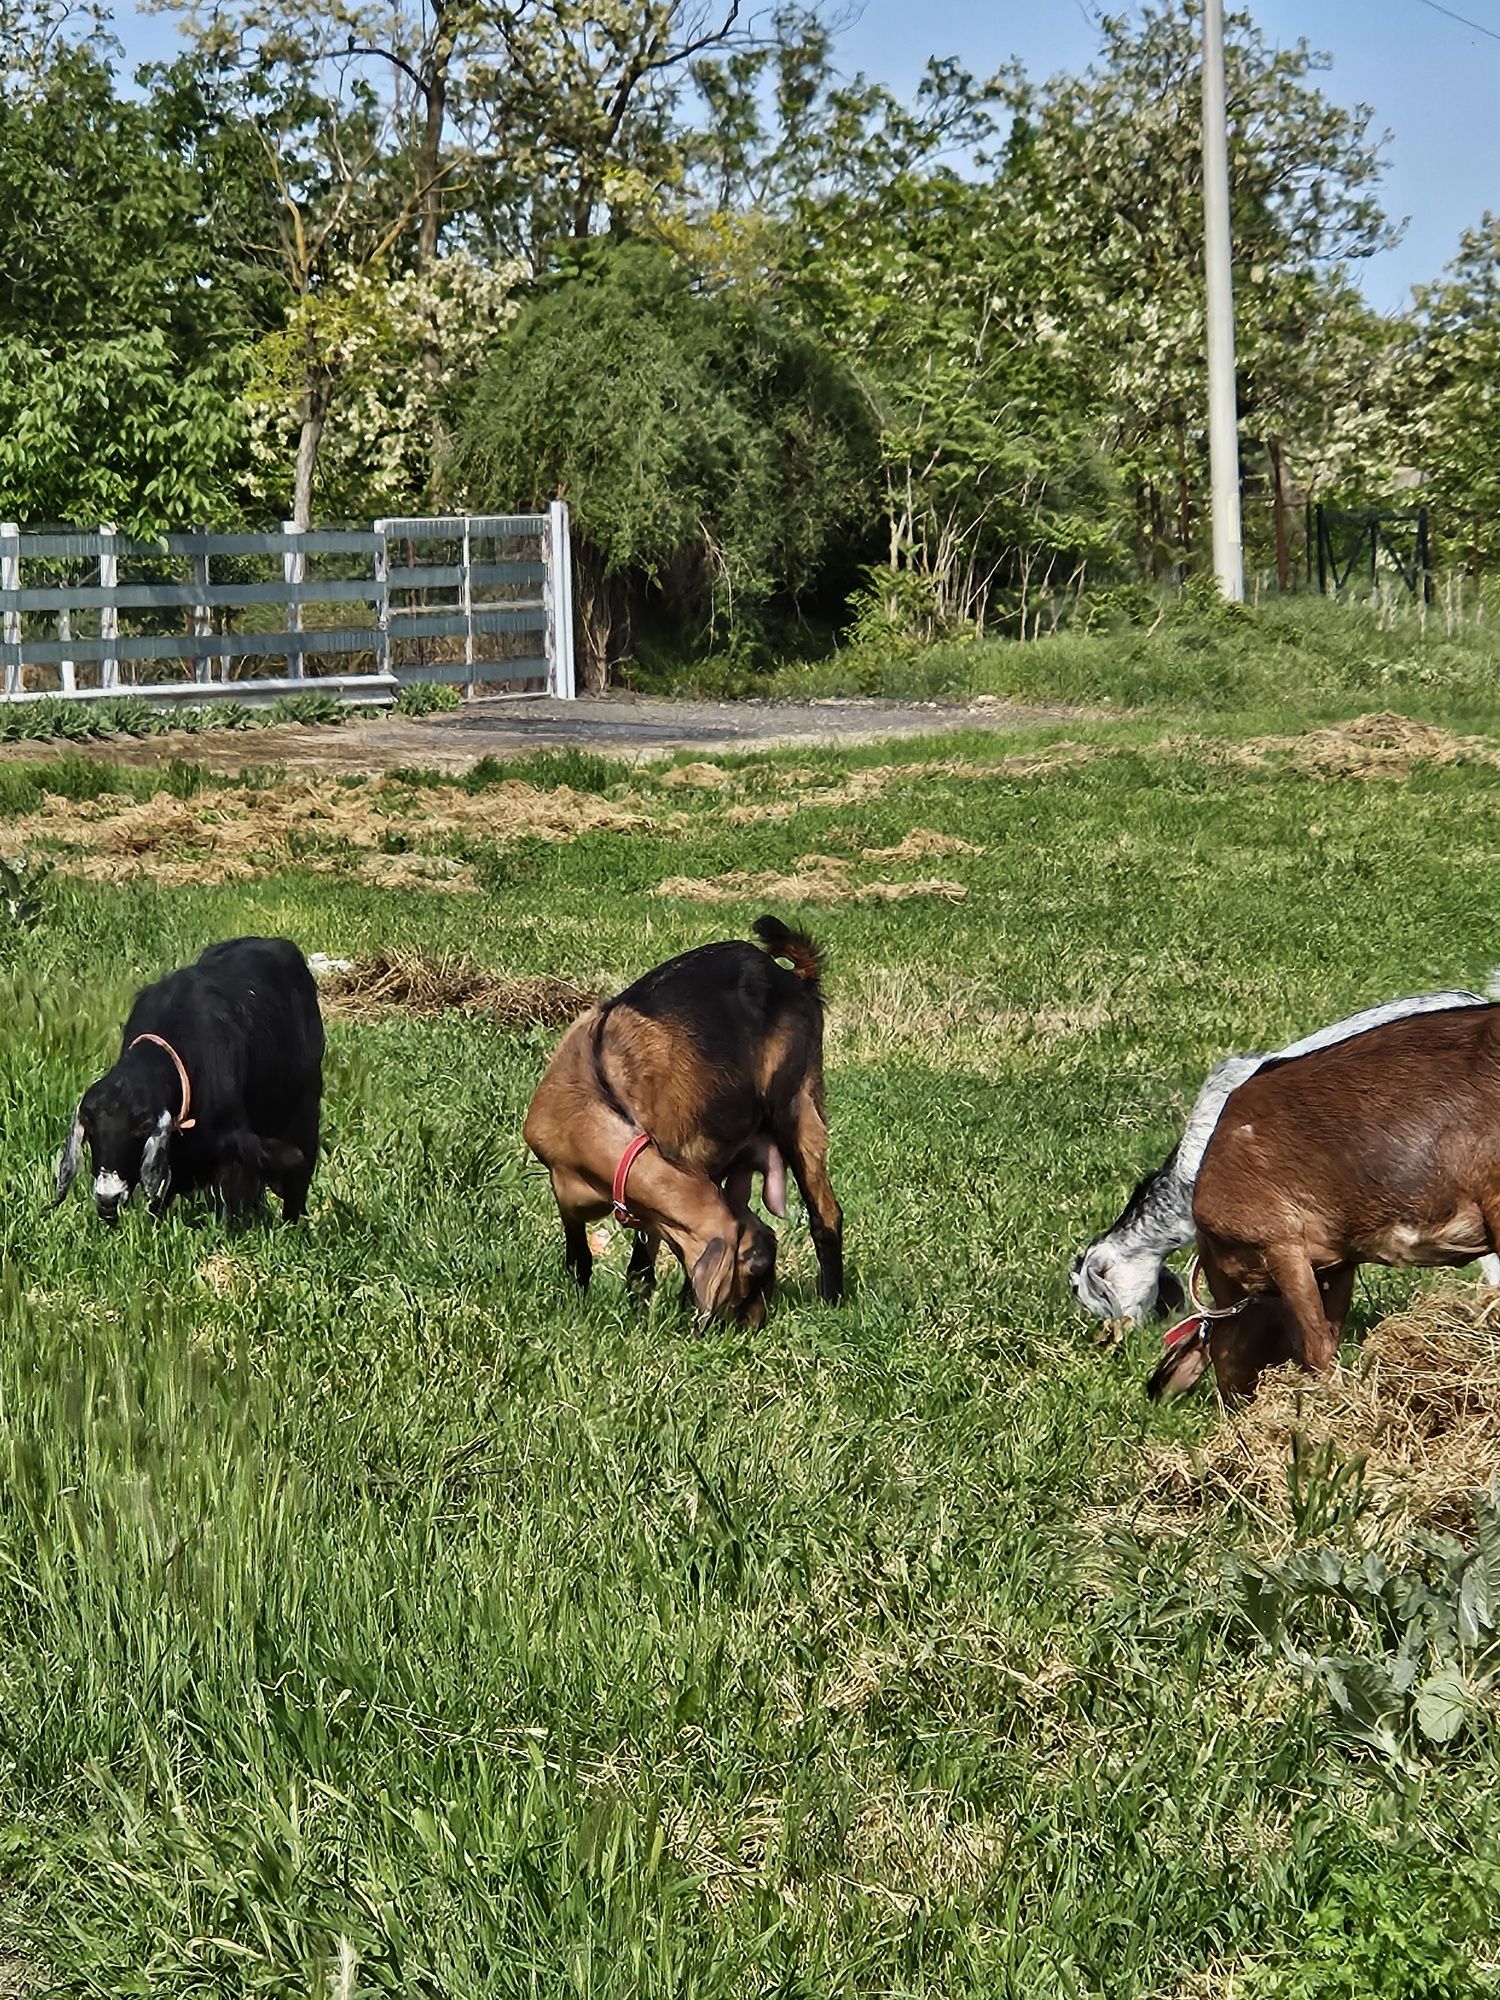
620 725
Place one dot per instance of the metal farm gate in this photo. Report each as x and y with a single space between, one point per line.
479 601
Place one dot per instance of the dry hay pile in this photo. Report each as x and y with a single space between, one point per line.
397 982
1420 1410
816 878
921 844
383 833
1371 746
812 791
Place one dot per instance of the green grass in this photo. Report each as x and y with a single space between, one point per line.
1182 656
376 1616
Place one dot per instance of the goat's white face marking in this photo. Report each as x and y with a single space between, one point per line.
1114 1285
110 1187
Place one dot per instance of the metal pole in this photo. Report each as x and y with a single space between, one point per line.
382 601
1223 426
557 546
10 582
293 572
109 614
466 605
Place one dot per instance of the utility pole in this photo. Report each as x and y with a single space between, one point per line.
1223 416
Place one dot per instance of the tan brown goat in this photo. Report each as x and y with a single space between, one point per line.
1380 1150
664 1103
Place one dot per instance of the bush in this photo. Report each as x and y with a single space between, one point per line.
56 717
717 457
1411 1930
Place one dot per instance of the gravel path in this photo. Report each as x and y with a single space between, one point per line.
629 726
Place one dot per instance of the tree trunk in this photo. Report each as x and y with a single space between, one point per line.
429 233
1142 534
594 624
309 437
317 395
1158 532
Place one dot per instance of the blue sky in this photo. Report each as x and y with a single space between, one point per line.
1433 84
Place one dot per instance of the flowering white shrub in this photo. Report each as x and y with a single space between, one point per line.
359 343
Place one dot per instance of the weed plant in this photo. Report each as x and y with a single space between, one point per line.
133 715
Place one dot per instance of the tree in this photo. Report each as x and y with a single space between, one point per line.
1446 389
371 330
1110 165
581 101
992 473
125 313
712 455
112 429
390 129
780 130
351 104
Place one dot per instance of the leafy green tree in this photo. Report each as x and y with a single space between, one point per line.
993 484
394 131
869 220
582 104
372 328
113 429
350 104
712 455
1447 391
778 127
1109 163
126 307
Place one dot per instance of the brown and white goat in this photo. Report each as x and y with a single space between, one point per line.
1381 1150
663 1104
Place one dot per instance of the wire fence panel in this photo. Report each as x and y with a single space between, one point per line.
472 600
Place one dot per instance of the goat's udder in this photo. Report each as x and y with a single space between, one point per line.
775 1181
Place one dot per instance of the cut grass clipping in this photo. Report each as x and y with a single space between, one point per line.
408 982
1418 1414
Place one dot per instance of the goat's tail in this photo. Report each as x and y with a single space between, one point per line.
796 947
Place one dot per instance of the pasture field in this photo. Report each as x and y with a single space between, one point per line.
378 1617
1180 653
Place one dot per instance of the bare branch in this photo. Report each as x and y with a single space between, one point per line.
418 82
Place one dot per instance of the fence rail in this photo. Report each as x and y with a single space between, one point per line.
473 600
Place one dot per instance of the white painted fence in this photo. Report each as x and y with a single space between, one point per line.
473 600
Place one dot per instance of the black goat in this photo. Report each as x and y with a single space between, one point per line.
219 1084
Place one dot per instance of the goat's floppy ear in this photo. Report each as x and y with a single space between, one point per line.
712 1277
70 1159
1183 1369
156 1168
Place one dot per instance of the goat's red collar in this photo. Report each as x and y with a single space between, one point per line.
628 1159
1198 1324
182 1122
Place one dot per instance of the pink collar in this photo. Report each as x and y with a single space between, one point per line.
628 1159
181 1123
